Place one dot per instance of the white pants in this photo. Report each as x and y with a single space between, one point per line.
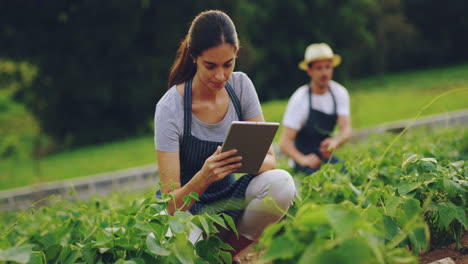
261 212
277 186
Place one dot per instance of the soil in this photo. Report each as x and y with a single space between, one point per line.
449 251
250 255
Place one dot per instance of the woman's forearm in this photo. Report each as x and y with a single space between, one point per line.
194 185
269 163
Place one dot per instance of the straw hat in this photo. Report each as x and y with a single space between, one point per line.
319 51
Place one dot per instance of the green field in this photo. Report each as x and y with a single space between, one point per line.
374 101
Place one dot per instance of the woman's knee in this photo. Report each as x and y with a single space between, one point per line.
281 187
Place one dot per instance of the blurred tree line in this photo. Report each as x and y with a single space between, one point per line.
103 65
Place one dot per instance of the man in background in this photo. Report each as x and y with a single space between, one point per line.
313 111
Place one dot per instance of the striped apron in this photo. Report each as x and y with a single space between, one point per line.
226 195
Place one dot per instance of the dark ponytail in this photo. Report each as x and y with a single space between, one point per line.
184 67
209 29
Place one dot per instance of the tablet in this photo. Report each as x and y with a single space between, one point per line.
252 141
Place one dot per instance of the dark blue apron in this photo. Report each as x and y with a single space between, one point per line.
226 195
318 127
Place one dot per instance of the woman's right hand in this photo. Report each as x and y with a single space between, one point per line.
220 164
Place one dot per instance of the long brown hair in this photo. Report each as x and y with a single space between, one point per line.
209 29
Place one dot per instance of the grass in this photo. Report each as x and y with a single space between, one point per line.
374 101
80 162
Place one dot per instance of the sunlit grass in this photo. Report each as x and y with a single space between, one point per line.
81 162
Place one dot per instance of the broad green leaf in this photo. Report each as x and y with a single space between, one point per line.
399 255
376 249
391 205
143 227
447 213
131 222
165 198
311 216
20 254
411 207
419 239
217 219
428 178
404 189
136 204
373 215
410 160
158 208
211 249
311 251
52 251
37 257
427 165
155 247
110 231
270 232
373 196
135 261
461 216
184 250
183 216
458 164
69 256
282 247
88 254
128 243
103 250
342 219
195 196
102 238
226 257
391 227
224 246
452 188
354 189
432 160
49 239
177 227
158 229
187 199
351 251
204 224
230 222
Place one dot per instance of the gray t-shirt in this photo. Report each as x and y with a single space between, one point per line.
169 116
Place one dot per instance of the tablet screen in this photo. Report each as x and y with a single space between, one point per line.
252 141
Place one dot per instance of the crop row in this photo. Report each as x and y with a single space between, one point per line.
400 196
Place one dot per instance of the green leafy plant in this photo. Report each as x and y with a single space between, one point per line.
98 232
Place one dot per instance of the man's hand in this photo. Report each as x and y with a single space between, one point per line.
311 160
327 147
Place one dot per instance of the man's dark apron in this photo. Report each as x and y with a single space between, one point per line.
226 195
318 127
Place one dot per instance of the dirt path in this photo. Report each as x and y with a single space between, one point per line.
449 251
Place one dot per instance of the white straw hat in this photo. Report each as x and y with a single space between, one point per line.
319 51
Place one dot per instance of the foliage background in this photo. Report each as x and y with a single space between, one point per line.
101 66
